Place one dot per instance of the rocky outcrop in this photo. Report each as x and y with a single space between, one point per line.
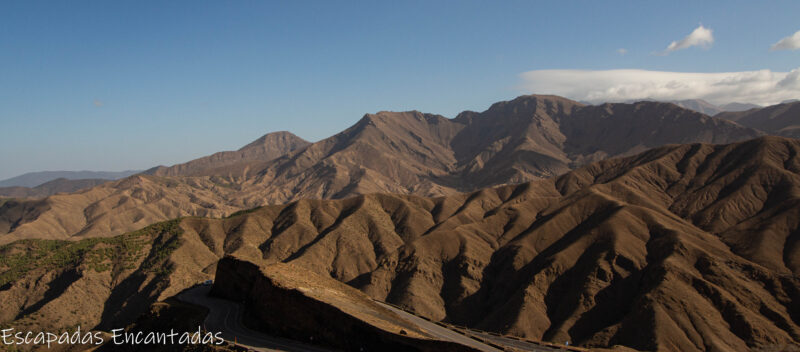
289 301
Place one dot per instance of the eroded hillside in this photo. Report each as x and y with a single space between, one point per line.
685 247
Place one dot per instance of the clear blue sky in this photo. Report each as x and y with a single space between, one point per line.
113 85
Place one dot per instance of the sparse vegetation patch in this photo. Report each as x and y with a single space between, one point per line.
117 253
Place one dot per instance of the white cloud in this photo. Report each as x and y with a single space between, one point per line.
622 51
762 87
791 42
700 36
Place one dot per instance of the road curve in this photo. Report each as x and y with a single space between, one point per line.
521 345
226 316
440 332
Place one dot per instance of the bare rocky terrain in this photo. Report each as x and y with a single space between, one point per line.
684 247
528 138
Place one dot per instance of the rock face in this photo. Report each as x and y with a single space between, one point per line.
528 138
685 247
292 302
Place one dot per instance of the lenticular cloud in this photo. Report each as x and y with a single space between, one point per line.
791 42
762 87
700 36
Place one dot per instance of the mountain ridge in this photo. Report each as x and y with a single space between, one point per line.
59 185
33 179
781 119
682 247
527 138
263 149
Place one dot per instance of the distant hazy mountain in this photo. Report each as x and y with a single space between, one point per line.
59 185
705 107
738 106
33 179
699 105
781 120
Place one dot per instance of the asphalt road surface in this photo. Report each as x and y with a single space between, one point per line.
513 343
440 332
226 316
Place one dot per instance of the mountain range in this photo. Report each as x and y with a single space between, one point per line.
703 106
707 108
528 138
33 179
686 247
644 225
781 120
59 185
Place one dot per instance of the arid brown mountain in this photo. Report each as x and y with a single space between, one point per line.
684 247
117 207
60 185
236 163
528 138
780 120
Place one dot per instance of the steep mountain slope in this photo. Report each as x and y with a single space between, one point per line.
684 247
528 138
781 120
59 185
33 179
236 163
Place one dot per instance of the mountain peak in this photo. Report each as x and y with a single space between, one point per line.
267 147
537 99
528 105
280 140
